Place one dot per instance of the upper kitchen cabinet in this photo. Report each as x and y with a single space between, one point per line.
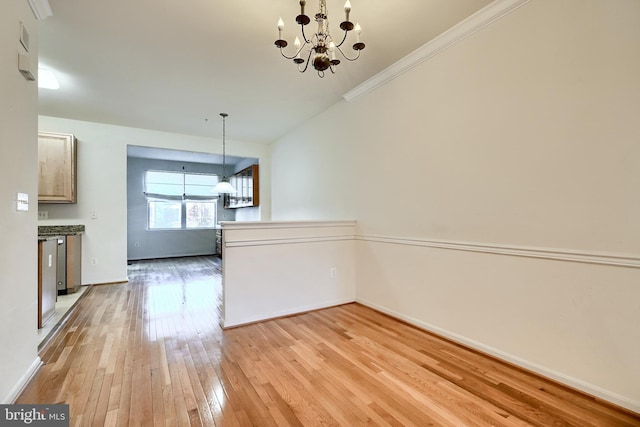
56 168
247 186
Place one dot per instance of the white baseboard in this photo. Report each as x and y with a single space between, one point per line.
22 384
285 313
577 384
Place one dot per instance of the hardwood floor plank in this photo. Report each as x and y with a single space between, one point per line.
111 419
178 398
151 352
124 406
102 404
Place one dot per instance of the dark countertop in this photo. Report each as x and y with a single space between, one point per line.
59 230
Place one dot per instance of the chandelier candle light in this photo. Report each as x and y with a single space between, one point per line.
223 186
322 48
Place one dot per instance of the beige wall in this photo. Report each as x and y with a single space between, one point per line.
18 173
520 139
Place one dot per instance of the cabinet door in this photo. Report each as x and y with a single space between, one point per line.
56 168
254 190
247 189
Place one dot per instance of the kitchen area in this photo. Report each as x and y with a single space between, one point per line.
74 244
59 273
59 246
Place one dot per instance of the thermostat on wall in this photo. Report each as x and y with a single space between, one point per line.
24 37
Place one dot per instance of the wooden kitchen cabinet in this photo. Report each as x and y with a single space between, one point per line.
56 168
247 185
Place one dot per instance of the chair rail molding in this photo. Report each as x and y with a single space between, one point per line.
572 255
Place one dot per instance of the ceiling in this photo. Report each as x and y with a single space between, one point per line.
170 65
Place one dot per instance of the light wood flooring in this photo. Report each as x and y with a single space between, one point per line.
151 352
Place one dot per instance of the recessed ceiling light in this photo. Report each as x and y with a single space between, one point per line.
47 80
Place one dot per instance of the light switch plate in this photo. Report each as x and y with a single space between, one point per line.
24 66
22 202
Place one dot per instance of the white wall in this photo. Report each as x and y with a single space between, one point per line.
315 174
18 173
102 187
274 269
522 139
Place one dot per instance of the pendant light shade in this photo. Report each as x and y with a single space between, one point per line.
223 186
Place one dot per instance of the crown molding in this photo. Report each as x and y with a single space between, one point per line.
458 32
40 8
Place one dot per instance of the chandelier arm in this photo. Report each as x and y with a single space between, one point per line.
295 55
346 57
306 65
288 57
343 39
304 36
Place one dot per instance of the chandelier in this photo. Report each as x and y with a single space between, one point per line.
321 46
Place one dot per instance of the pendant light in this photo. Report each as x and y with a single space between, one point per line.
223 186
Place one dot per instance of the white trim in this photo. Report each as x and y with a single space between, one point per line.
287 241
458 32
573 255
40 8
541 370
252 225
24 381
556 254
285 313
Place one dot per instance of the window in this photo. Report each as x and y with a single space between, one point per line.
177 200
201 214
164 214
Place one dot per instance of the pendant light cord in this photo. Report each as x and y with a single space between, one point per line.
224 171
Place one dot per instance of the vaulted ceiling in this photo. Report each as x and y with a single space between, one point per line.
169 65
